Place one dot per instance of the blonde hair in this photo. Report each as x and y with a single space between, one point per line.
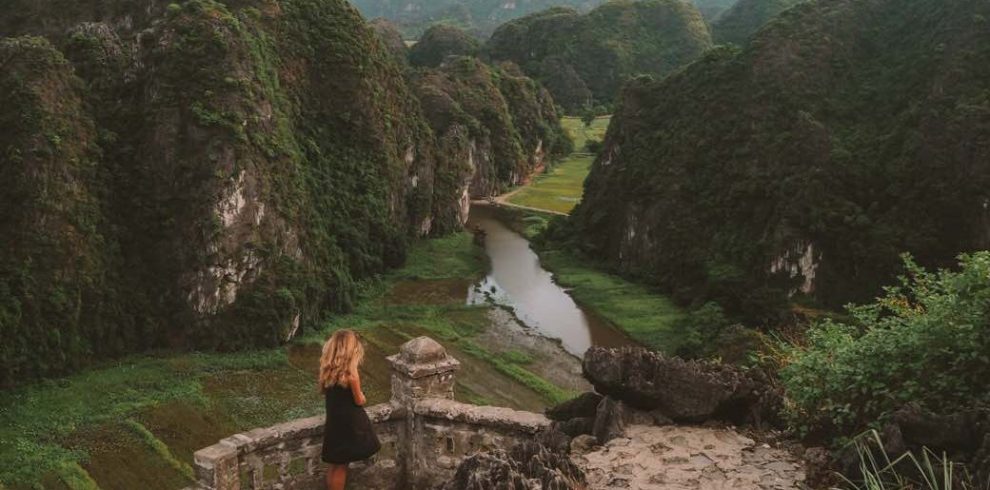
342 354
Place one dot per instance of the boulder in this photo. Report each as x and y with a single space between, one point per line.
529 466
584 405
613 416
684 391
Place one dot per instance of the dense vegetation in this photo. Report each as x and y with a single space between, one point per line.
925 341
499 125
199 174
478 17
584 58
762 175
742 20
439 42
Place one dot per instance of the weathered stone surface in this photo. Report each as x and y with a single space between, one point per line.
528 466
584 405
422 357
424 434
679 457
689 391
501 417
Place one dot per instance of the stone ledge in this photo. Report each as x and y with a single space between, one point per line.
497 417
255 439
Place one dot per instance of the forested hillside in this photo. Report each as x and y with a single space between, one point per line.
583 59
738 23
844 134
479 17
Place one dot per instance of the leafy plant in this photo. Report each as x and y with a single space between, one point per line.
927 340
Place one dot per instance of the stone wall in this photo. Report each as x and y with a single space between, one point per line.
424 434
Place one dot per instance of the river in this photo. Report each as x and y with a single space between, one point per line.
517 281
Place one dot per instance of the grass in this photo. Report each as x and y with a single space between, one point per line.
560 189
648 316
159 408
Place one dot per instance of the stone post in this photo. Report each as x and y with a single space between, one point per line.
422 369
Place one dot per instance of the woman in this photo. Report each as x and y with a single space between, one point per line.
347 434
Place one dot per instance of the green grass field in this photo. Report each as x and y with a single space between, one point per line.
560 189
135 422
648 316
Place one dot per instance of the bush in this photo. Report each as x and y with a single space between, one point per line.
926 341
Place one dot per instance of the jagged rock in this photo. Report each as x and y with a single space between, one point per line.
583 443
527 467
689 391
584 405
576 426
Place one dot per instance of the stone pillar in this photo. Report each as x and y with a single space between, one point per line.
422 369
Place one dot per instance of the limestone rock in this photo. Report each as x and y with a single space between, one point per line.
527 467
684 391
584 405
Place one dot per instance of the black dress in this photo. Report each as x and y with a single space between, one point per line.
347 435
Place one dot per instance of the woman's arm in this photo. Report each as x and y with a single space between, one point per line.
355 384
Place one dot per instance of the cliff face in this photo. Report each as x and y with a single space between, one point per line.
234 166
498 128
584 59
797 165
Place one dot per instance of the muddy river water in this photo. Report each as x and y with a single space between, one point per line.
517 281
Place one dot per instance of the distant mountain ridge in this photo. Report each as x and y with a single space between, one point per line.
583 59
481 17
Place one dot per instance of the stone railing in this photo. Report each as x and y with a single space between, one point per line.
424 433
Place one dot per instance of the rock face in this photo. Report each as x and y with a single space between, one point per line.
584 58
683 391
497 128
235 166
528 466
780 169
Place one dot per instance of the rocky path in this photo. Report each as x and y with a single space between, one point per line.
687 458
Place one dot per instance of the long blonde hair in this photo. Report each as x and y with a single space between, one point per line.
342 354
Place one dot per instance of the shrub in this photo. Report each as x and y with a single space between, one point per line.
926 340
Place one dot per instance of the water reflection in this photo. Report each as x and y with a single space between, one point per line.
517 280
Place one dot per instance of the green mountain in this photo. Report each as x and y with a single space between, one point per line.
844 134
206 174
439 42
479 17
584 58
501 126
742 20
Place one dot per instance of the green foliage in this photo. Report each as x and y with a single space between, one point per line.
479 17
722 178
238 181
745 18
505 122
925 341
584 59
560 188
648 316
439 42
